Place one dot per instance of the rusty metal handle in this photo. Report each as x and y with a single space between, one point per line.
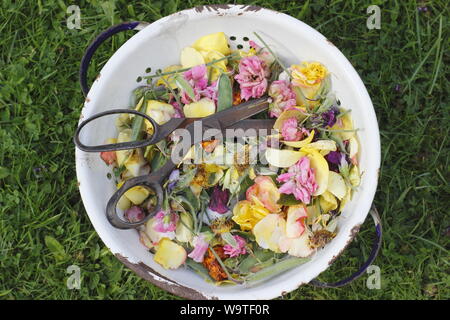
373 254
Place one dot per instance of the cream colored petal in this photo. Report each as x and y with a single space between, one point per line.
336 185
190 58
282 158
269 230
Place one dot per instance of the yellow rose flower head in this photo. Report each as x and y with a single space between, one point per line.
308 73
247 214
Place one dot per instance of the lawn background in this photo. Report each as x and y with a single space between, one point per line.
43 224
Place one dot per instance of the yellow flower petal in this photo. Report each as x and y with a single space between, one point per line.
328 201
336 185
202 108
217 68
355 177
170 254
302 143
169 78
122 155
323 145
159 111
247 214
191 58
282 158
213 42
137 195
269 231
344 123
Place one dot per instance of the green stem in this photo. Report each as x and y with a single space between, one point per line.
175 95
273 54
160 74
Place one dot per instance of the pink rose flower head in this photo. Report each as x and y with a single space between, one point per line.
200 247
235 251
165 222
300 181
283 97
290 130
262 53
252 77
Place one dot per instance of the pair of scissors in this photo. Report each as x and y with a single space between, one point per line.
231 118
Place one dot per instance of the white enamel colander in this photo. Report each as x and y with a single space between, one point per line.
158 45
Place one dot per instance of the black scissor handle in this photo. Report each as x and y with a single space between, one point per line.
152 181
118 146
149 181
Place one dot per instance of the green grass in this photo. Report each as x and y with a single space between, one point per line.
40 102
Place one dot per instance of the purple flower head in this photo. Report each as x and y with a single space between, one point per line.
219 200
329 117
173 179
134 214
336 159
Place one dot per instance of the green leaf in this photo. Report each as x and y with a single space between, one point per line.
185 180
229 239
138 121
184 85
288 200
56 248
199 269
259 256
275 270
158 161
193 200
225 93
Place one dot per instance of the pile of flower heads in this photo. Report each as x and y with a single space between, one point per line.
241 221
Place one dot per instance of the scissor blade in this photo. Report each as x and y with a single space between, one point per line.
240 112
257 124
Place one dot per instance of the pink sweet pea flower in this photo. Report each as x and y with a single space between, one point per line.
197 77
200 247
235 251
299 181
165 222
283 97
252 77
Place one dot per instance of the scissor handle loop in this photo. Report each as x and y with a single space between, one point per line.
116 146
150 181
